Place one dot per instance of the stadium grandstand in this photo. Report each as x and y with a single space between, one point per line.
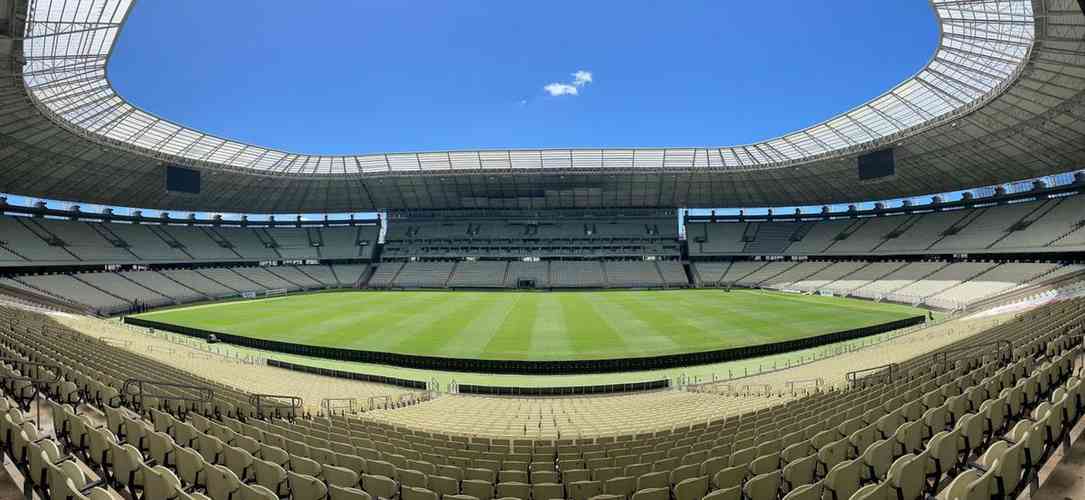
885 305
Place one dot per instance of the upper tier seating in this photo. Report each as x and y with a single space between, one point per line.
1042 225
22 245
293 243
936 284
197 242
38 241
516 239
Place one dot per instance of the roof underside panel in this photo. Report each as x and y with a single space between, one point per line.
984 43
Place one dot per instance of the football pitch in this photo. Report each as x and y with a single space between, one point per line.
536 325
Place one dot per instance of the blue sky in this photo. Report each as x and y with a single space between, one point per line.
408 75
376 76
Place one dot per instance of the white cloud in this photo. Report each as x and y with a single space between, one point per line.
580 79
556 89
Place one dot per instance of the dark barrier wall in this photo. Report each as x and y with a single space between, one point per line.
327 372
563 391
535 367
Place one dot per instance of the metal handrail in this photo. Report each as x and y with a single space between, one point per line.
941 357
34 382
257 400
326 405
854 376
207 394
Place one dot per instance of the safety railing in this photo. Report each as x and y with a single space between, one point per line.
877 374
941 357
276 402
203 393
36 383
330 406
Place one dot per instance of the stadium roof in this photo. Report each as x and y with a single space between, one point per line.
1001 99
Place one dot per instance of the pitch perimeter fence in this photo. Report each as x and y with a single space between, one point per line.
522 367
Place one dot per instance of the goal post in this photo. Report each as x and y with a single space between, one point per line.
277 292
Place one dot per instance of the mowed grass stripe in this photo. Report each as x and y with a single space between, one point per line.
644 331
541 326
589 334
549 339
512 338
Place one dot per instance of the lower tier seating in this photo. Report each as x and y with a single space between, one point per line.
978 421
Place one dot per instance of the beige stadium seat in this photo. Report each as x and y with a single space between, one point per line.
968 485
583 490
1007 462
733 493
191 467
91 494
341 493
444 485
255 492
652 494
685 472
415 493
943 451
239 461
731 476
270 475
907 475
806 492
412 478
877 491
692 488
221 482
547 491
843 480
799 472
303 465
764 486
160 482
482 490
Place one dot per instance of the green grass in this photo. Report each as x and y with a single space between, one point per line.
536 326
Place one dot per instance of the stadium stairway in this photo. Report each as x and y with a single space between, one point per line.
100 289
845 233
896 232
829 285
170 241
182 285
958 226
279 275
921 278
151 292
1040 210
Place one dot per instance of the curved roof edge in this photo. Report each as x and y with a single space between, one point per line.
67 45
